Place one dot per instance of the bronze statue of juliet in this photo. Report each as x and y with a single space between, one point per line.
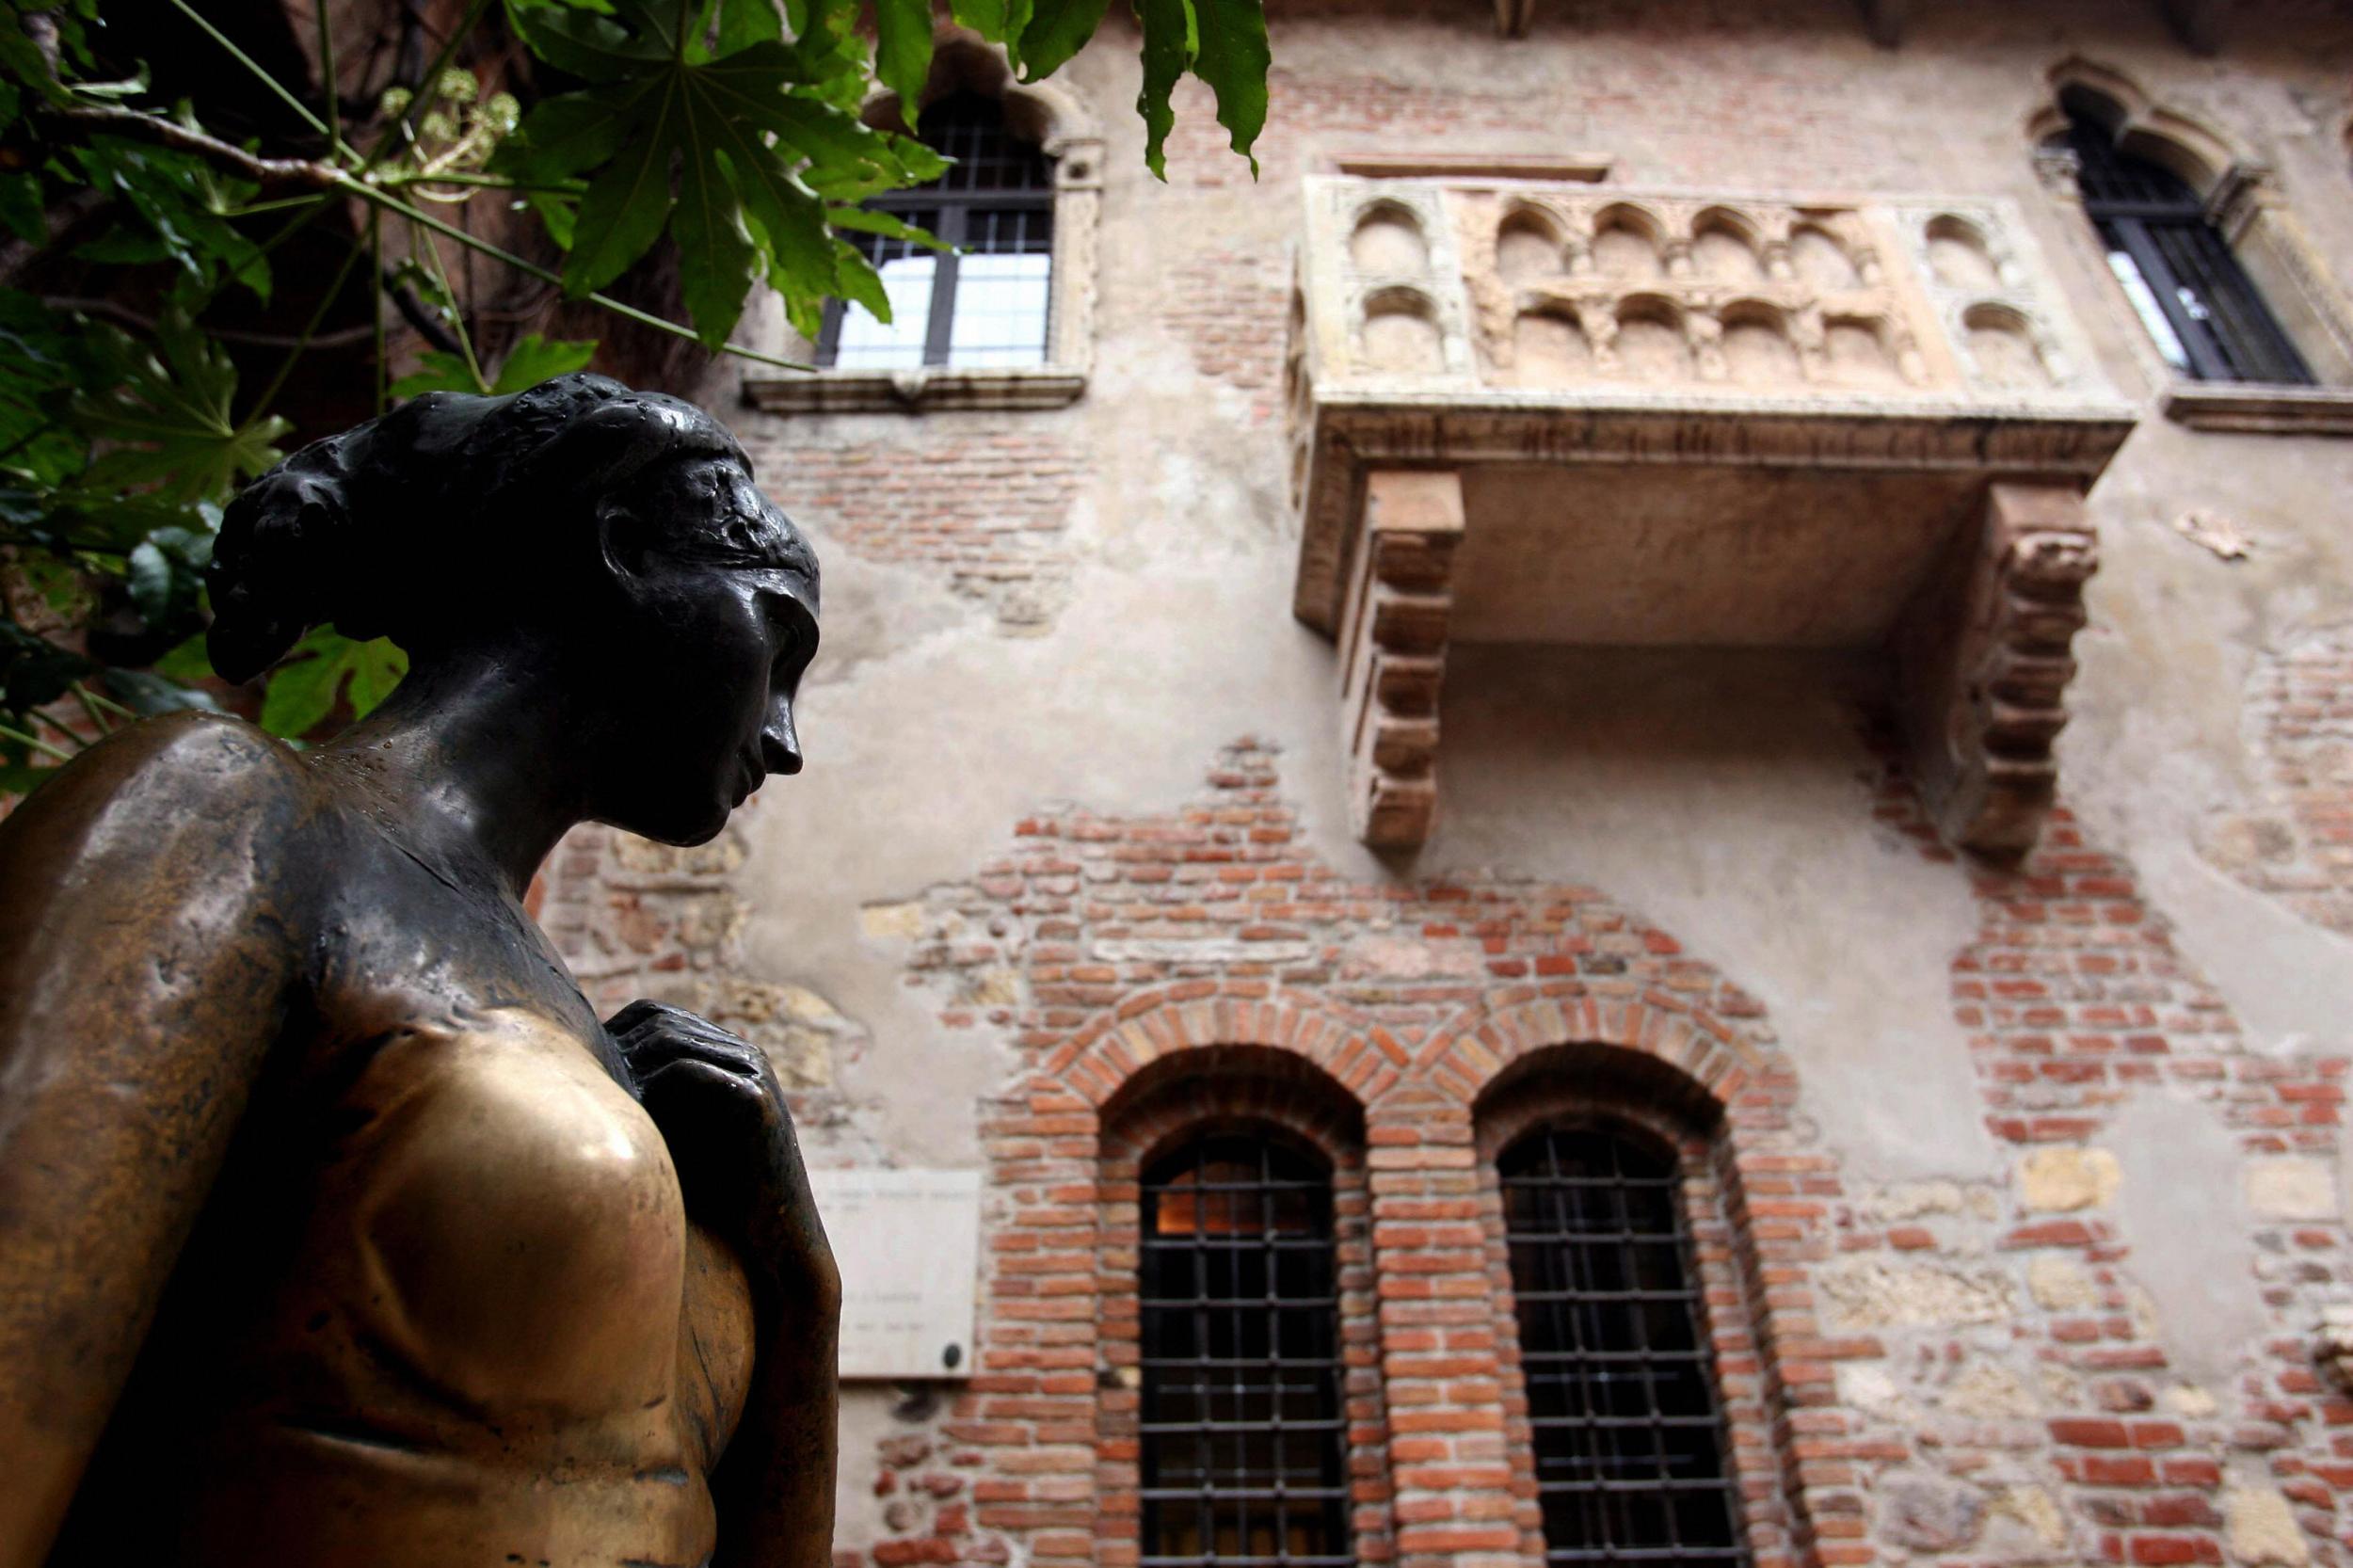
336 1231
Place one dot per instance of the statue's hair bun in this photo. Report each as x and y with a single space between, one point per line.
379 529
284 549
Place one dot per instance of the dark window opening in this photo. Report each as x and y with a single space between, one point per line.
982 303
1630 1444
2196 301
1244 1459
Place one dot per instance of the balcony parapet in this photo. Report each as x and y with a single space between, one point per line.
1461 325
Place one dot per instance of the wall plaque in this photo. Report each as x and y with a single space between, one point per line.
908 1246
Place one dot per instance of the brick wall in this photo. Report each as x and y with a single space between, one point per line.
983 502
2298 845
1964 1369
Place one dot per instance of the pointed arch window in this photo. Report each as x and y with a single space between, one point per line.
984 302
1243 1432
2207 317
1631 1458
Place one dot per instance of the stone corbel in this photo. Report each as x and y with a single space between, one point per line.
1392 645
1984 658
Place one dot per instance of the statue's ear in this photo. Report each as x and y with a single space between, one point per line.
624 539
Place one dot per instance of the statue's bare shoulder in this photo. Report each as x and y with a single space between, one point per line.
189 775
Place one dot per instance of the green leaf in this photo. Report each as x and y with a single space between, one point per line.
439 370
902 50
997 21
561 214
148 693
1057 30
626 208
34 671
1233 60
21 208
188 662
303 694
1171 39
714 251
867 221
534 360
564 136
743 23
580 44
167 420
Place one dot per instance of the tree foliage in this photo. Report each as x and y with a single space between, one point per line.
730 127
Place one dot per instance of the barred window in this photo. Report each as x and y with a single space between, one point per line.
1630 1445
2191 293
1244 1454
984 301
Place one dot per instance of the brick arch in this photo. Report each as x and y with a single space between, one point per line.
1483 1042
1102 1055
1716 1094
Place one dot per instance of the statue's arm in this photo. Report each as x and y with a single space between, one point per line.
716 1099
148 948
774 1485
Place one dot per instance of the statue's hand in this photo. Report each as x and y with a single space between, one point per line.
729 1132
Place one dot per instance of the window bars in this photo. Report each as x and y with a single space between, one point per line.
2185 285
1244 1459
1630 1445
982 302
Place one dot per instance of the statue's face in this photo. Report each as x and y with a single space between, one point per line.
712 662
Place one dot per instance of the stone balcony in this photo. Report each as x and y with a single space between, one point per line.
1534 414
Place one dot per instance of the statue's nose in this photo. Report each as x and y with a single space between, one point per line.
780 743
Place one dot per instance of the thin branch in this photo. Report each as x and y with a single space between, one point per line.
36 742
276 176
310 329
90 706
90 698
375 269
326 78
456 314
340 337
257 69
413 311
644 318
57 222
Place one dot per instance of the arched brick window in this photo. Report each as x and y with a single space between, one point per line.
1630 1456
1243 1456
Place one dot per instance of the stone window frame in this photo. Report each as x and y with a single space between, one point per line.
2244 202
1596 1085
1208 1089
1067 132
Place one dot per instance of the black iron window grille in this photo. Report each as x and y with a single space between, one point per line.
984 301
1244 1459
1630 1444
2205 314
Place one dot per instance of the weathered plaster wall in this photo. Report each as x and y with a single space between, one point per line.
1002 646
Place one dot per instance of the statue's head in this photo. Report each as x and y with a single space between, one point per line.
612 537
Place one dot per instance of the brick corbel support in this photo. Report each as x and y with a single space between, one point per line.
1393 641
1985 661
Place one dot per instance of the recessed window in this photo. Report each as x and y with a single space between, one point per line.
985 302
1630 1449
1243 1432
2195 299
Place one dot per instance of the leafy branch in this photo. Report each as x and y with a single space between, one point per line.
139 244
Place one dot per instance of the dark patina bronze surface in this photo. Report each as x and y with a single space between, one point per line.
335 1229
